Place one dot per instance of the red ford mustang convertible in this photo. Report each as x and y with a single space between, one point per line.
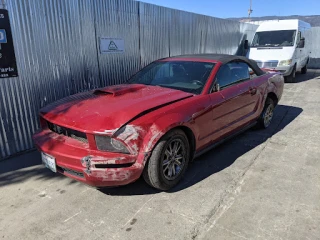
167 114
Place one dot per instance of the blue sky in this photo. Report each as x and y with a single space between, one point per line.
239 8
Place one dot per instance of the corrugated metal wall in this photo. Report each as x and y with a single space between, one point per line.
314 47
57 51
155 25
56 55
118 19
168 32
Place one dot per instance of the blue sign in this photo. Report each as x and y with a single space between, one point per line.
3 36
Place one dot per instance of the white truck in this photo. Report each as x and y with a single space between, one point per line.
281 45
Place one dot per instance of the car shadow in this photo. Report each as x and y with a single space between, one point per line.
219 158
311 74
23 167
23 160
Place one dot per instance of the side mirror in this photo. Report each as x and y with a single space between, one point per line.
246 44
302 43
217 87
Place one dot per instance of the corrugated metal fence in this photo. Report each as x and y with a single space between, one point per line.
57 50
315 48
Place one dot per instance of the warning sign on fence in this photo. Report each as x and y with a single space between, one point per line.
111 45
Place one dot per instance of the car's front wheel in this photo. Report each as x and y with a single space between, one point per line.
168 161
267 114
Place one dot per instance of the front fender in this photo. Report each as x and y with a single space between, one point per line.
161 126
279 86
276 85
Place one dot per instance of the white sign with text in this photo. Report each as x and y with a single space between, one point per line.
111 45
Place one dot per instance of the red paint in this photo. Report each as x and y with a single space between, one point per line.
139 115
89 112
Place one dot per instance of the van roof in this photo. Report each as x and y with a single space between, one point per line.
282 25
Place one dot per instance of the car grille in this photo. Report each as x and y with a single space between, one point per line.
70 171
80 136
270 64
124 165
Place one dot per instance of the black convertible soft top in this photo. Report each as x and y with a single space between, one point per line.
224 58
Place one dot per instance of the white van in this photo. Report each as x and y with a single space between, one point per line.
281 45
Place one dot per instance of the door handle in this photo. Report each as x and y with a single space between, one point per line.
252 90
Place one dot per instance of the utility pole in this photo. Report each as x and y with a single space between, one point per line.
250 10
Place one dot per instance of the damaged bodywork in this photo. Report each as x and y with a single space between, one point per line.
107 137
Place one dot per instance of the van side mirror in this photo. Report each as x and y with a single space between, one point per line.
246 44
302 42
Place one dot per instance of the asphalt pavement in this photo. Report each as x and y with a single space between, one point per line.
263 184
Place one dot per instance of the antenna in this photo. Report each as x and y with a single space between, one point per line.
250 10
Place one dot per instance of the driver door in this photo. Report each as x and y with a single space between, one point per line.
238 104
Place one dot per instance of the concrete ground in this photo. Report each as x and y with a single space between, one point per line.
260 185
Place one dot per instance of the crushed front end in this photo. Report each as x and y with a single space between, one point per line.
97 159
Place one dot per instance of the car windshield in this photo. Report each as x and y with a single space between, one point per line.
181 75
281 38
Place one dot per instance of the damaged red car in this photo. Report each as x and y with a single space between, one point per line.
164 116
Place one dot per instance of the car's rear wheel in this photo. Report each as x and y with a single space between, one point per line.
168 161
267 114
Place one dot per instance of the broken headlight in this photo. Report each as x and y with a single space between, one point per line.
106 143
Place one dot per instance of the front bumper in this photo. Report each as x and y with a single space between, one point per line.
99 169
285 70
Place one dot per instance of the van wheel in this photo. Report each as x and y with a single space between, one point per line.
304 69
292 77
168 161
266 116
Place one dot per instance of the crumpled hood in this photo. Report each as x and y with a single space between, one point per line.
107 109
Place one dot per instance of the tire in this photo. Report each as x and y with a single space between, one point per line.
161 163
304 69
292 77
267 114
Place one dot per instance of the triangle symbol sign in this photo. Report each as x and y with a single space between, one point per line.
112 46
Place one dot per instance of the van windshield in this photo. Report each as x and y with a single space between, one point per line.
283 38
